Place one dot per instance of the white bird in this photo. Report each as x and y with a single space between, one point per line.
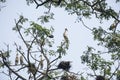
65 35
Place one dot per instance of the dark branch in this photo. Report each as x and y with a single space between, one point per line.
41 3
20 32
85 25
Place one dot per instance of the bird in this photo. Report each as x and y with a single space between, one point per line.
21 60
65 35
114 25
16 59
41 62
32 69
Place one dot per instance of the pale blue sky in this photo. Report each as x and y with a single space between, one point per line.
79 36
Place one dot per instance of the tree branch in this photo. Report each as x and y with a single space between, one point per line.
85 25
41 3
20 52
20 32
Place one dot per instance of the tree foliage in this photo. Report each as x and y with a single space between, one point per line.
36 57
39 44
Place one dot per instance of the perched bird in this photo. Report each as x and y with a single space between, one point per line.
114 25
16 59
21 60
41 62
32 68
65 35
65 65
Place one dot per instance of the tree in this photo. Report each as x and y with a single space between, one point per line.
39 40
40 67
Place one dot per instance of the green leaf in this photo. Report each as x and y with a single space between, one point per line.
82 78
118 75
52 52
1 64
46 18
107 71
17 28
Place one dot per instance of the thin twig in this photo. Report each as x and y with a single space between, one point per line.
20 32
85 25
41 3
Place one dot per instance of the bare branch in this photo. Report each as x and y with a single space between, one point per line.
41 3
85 25
20 32
28 51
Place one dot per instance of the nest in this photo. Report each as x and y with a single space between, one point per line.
100 78
65 65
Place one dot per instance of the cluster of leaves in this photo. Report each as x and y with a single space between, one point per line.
110 40
46 18
84 8
5 55
96 60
